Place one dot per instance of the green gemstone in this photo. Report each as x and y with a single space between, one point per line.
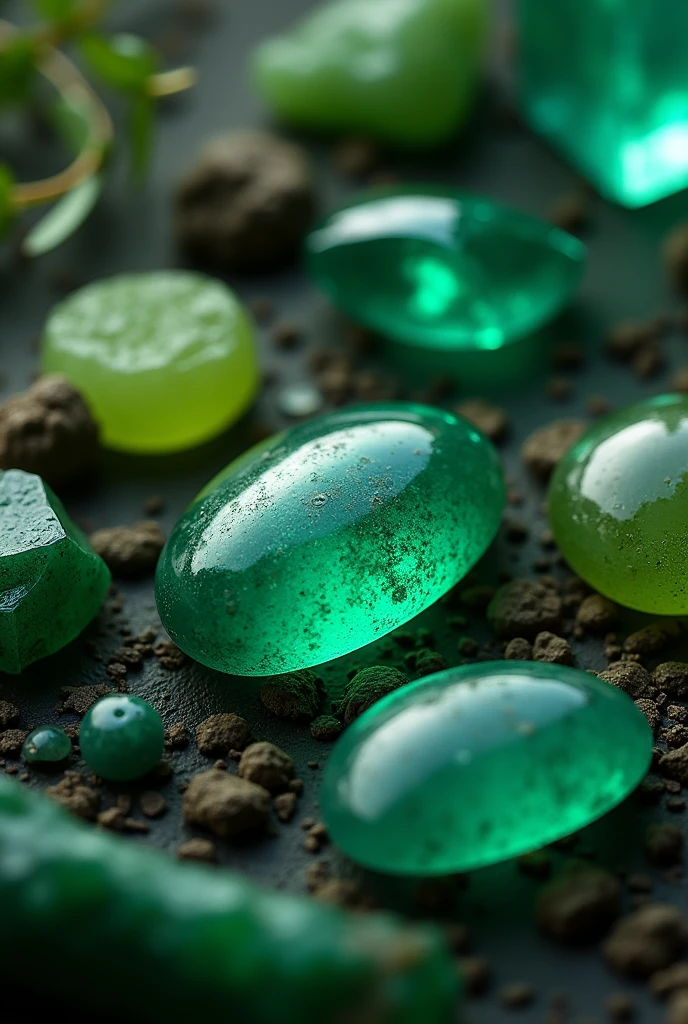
440 270
606 83
121 737
327 537
406 72
47 743
478 764
618 501
52 582
166 359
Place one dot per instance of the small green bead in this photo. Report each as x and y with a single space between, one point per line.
478 764
440 270
46 743
618 505
121 737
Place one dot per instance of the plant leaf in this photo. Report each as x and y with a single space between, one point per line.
55 10
17 68
71 123
6 209
141 127
124 62
62 219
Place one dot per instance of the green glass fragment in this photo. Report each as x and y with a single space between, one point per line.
46 743
52 582
121 737
441 270
330 535
478 764
618 504
402 70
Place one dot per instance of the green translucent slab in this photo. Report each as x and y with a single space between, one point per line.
479 764
441 270
327 537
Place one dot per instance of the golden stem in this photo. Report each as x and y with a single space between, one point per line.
167 83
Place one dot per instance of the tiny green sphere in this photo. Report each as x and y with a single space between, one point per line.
618 506
122 737
46 743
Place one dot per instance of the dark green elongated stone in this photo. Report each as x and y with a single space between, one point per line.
328 536
481 763
121 737
441 270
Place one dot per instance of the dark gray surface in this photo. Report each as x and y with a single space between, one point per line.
132 232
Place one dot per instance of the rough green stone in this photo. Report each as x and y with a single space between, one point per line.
121 737
47 743
52 582
481 763
441 270
618 506
327 537
401 70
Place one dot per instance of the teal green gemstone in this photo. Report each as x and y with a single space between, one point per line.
328 536
52 582
403 71
478 764
606 83
440 270
46 743
121 737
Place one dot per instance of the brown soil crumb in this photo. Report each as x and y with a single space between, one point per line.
664 983
633 679
486 417
674 764
225 804
620 1007
75 796
545 447
197 849
651 712
169 655
664 844
221 733
326 728
518 649
267 766
48 430
675 254
672 677
285 806
130 552
652 639
367 687
476 974
426 662
11 742
354 158
344 892
153 804
552 649
176 736
111 819
571 211
629 336
296 695
517 995
80 698
651 938
9 714
678 1008
597 405
579 906
597 615
524 608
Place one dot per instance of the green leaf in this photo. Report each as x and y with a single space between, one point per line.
55 10
6 208
124 62
63 218
17 69
141 127
71 122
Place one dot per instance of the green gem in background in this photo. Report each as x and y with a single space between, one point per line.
618 506
52 582
46 743
166 360
405 71
606 83
328 536
478 764
440 270
121 737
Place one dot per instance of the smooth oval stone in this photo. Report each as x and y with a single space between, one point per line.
121 737
479 764
46 743
166 360
618 506
328 536
441 270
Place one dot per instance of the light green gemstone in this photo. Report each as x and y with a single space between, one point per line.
479 764
166 360
46 743
121 737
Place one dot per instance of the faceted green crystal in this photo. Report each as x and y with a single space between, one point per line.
327 537
441 270
52 582
401 70
46 743
121 737
618 506
481 763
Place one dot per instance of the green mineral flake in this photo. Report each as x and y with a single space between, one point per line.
121 737
47 743
329 536
52 582
166 359
192 941
618 506
440 270
402 70
478 764
606 83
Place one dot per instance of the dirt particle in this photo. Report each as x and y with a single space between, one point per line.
671 677
476 974
486 417
326 728
130 552
75 796
580 905
197 849
517 995
267 766
664 844
518 649
674 764
554 650
169 656
651 712
176 736
675 255
226 804
524 608
368 686
571 211
221 733
428 662
652 639
285 806
296 695
649 939
633 679
153 804
546 446
9 714
597 615
665 982
11 742
620 1007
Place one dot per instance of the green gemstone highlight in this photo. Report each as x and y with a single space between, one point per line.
478 764
121 737
46 743
328 536
440 270
618 504
52 582
166 360
606 83
405 72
